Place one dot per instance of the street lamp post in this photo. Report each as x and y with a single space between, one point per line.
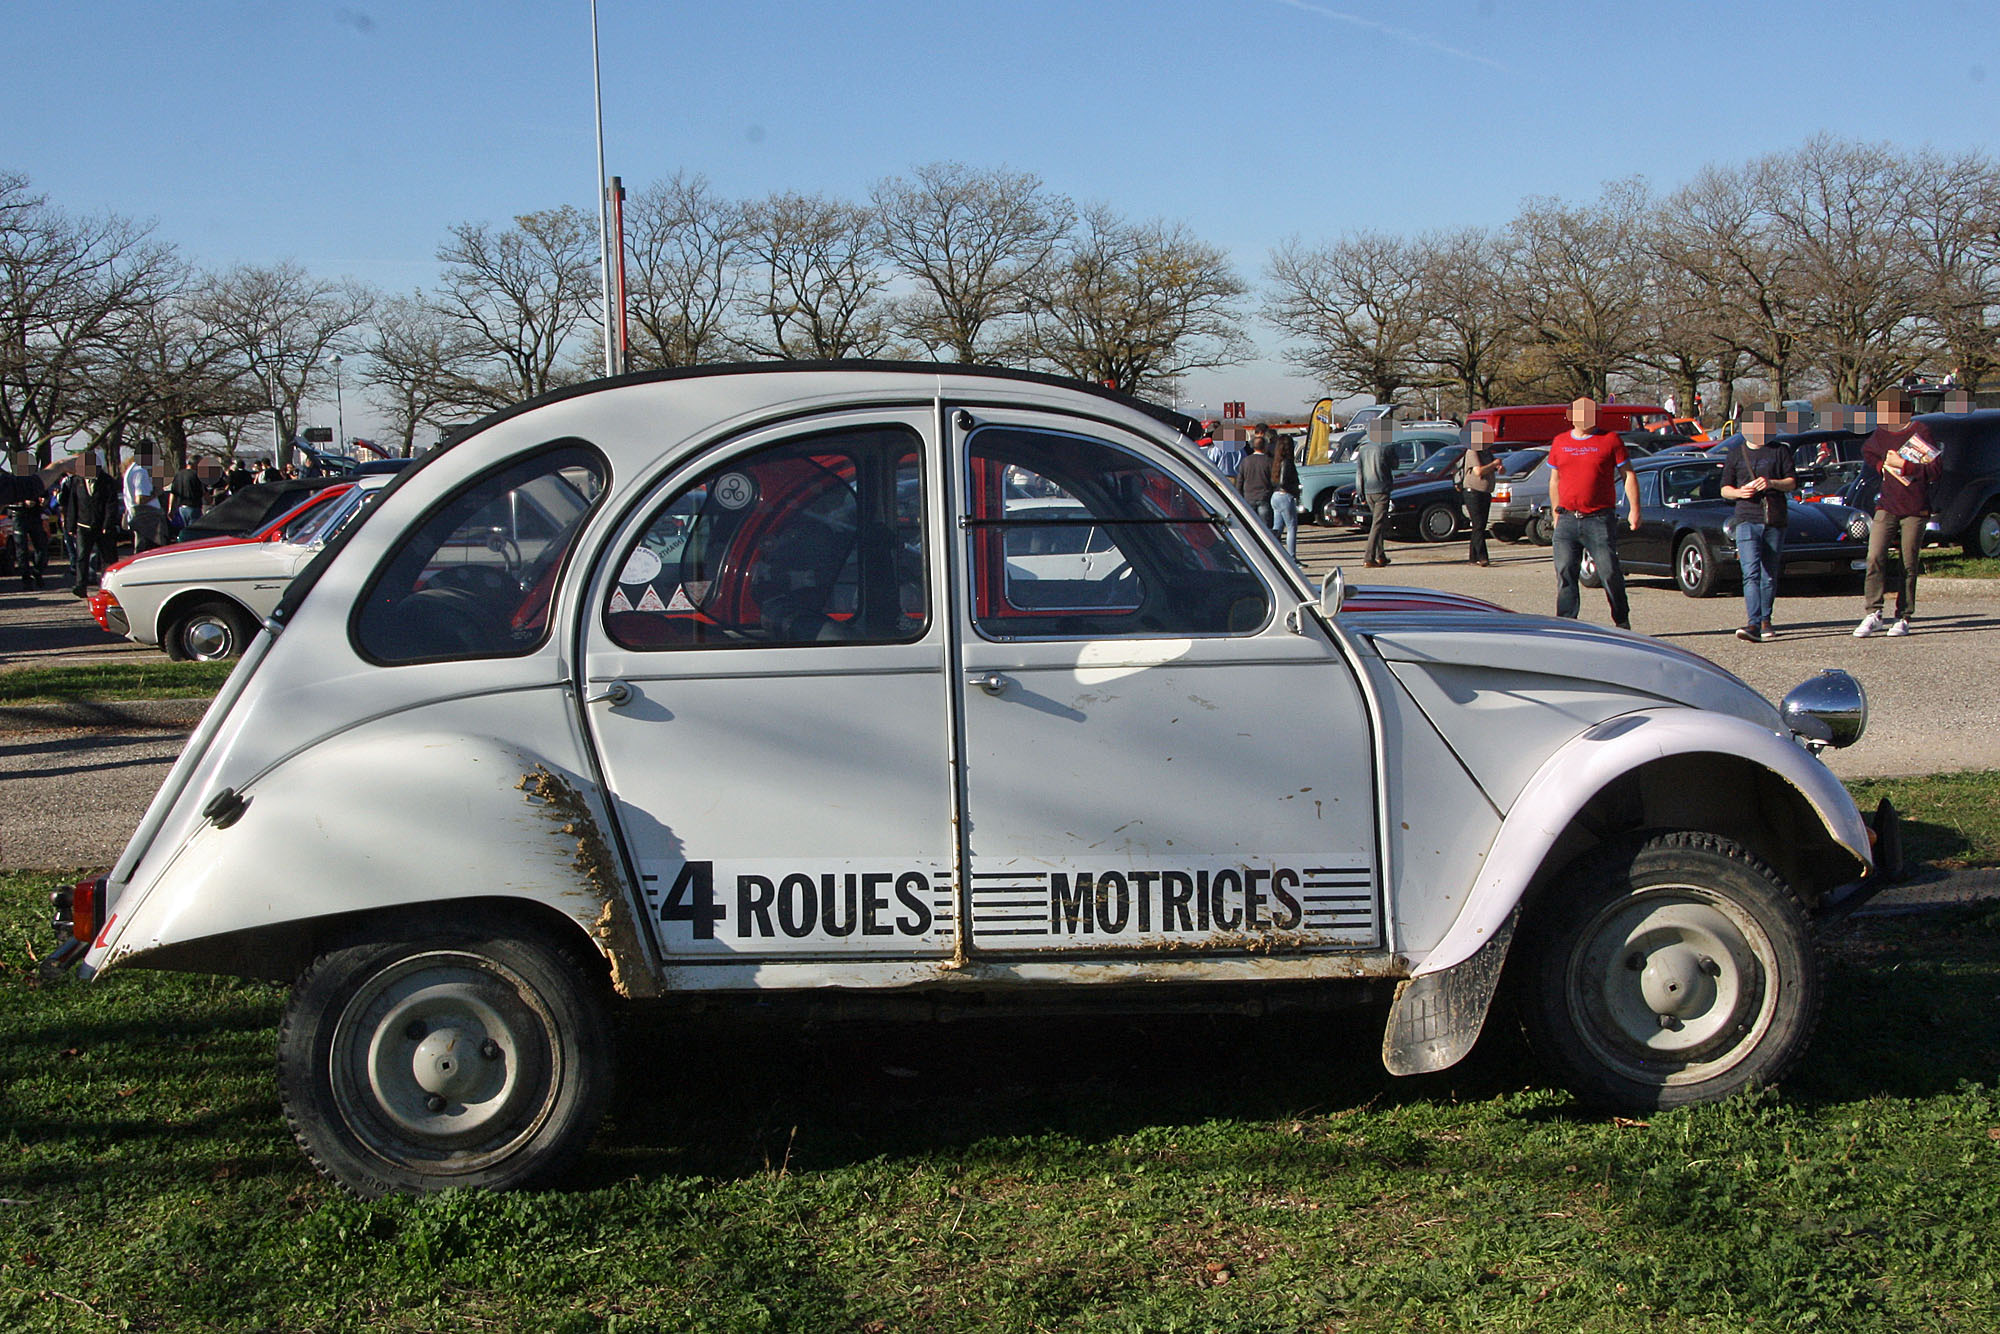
339 408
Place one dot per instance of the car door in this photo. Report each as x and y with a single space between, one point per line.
1163 763
767 689
1649 545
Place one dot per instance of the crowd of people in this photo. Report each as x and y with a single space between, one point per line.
94 512
1591 465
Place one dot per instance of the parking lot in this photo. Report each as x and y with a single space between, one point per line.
77 792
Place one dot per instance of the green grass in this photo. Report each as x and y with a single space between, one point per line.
1949 820
1046 1174
113 681
1958 565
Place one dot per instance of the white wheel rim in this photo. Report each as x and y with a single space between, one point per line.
1672 986
445 1059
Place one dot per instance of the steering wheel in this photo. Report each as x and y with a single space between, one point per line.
480 580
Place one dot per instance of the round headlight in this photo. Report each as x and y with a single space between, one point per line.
1831 709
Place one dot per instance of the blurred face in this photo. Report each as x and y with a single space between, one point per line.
1583 413
1892 412
1480 433
1758 427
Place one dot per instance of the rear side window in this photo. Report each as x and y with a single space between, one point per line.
476 578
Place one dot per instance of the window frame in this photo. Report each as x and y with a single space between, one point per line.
399 544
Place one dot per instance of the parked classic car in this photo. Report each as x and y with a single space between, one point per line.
1319 483
203 600
1683 530
1428 506
743 700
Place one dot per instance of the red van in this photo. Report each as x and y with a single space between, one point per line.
1539 423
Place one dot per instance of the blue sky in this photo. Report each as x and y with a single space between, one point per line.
350 136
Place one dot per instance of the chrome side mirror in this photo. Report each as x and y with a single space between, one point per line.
1332 592
1830 709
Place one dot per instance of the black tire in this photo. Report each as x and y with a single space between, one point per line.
208 632
1694 566
1437 522
1984 538
1586 571
1671 971
468 1053
1542 531
1323 512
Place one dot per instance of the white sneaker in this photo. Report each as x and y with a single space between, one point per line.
1899 629
1870 624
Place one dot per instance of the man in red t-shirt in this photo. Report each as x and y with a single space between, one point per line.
1902 450
1586 461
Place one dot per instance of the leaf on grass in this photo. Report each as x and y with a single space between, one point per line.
1628 1123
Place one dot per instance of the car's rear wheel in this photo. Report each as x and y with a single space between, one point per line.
455 1055
1675 970
208 632
1694 566
1437 522
1541 531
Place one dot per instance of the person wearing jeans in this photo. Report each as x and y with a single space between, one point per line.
1757 475
1588 463
1285 493
1575 534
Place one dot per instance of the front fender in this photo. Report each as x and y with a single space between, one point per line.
1568 780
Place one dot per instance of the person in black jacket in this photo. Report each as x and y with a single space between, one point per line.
90 511
26 497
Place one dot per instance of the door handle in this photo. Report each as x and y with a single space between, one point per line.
617 694
991 682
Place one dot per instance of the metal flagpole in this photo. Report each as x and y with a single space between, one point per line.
603 221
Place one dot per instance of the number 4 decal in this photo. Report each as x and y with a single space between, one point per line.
692 899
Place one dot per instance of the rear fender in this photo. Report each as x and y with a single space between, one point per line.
426 817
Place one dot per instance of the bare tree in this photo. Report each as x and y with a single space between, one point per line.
974 242
178 373
1136 305
282 324
1461 295
1582 285
1955 237
814 291
69 290
1356 308
1844 211
516 299
422 369
682 276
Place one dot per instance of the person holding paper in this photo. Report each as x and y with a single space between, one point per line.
1907 457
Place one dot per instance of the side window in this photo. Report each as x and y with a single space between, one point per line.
476 578
814 540
1075 537
1649 488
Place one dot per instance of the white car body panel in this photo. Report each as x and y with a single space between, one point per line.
886 779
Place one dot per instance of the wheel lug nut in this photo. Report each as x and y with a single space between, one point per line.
490 1049
1710 966
435 1102
416 1030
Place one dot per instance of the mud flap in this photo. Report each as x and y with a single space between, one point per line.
1436 1018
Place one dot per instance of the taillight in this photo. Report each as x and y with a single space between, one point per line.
1502 494
86 908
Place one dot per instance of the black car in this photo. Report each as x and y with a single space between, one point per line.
1681 529
1427 506
254 506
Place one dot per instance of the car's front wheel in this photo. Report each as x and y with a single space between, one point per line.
1985 534
453 1054
208 632
1675 970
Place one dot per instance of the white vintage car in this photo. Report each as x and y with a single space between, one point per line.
205 600
713 684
